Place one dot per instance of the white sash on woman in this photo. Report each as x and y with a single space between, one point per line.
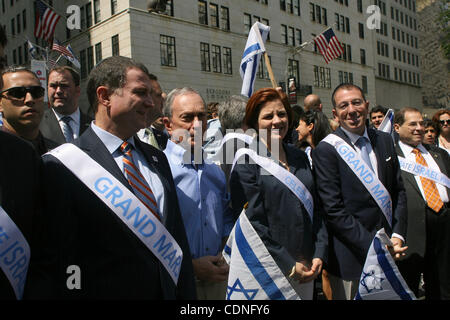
125 205
287 178
367 177
14 253
422 171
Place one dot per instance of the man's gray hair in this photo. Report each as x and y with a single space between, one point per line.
167 109
232 111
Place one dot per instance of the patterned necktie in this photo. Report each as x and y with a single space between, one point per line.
362 145
67 129
137 181
430 190
151 139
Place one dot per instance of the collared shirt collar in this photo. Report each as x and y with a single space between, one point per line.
407 149
75 116
353 136
111 142
178 154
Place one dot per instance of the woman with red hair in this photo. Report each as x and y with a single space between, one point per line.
442 118
293 232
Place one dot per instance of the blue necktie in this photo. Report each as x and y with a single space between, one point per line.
362 145
67 129
137 181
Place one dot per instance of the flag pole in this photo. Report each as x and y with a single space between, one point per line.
269 69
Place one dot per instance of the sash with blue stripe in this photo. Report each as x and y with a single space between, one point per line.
14 253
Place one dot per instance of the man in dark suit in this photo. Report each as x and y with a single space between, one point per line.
64 121
353 216
20 178
428 212
82 231
22 106
155 132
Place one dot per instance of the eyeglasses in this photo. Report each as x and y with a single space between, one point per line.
443 122
19 93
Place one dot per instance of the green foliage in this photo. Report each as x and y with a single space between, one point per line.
444 22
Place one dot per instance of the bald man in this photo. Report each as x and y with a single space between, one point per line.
312 102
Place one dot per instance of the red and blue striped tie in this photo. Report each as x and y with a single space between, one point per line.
137 181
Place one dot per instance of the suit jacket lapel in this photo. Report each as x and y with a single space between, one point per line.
85 122
90 143
409 177
53 127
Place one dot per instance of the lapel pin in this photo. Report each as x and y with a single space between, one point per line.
155 159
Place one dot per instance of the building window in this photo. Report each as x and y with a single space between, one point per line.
24 19
262 70
19 51
167 51
322 77
361 30
364 84
90 59
113 7
97 17
363 56
298 36
13 27
227 63
202 12
291 36
284 36
247 23
204 57
98 52
359 6
293 70
115 45
83 70
225 18
169 8
214 14
216 59
18 23
88 15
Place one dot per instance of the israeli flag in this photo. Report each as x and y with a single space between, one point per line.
380 278
32 50
387 125
72 58
253 275
252 53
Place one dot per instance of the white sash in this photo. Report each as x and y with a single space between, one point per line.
14 253
287 178
422 171
367 177
125 205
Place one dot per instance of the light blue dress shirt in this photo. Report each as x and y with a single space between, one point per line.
204 202
112 143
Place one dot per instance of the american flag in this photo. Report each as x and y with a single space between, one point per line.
329 46
46 20
57 46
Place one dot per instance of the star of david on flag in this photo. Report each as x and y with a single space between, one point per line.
380 278
252 54
253 274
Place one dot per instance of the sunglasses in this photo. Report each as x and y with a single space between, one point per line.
19 93
443 122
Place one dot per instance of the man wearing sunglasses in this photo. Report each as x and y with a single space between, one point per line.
64 121
22 106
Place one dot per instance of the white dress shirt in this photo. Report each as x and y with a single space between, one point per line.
410 156
112 143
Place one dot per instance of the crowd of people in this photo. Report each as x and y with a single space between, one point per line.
143 196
